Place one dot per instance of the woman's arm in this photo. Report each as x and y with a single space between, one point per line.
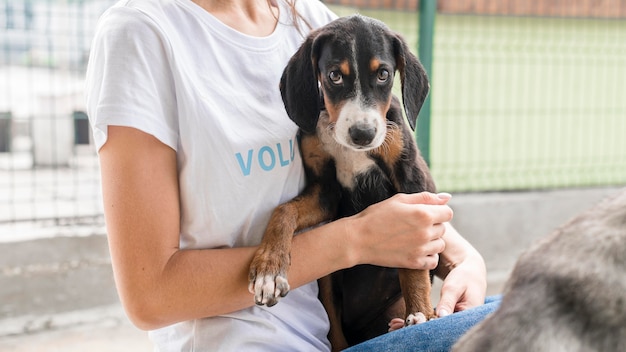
160 284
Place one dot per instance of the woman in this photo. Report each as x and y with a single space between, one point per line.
196 150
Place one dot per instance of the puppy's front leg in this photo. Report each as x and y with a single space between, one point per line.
416 291
335 334
268 270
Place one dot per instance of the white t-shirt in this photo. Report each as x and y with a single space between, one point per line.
171 69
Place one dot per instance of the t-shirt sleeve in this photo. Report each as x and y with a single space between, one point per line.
316 12
129 80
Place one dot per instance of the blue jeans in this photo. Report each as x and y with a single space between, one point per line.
437 335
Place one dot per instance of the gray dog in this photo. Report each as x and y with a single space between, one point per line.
567 293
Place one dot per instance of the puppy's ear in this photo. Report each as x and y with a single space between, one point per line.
299 85
413 77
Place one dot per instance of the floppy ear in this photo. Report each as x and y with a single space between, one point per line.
299 86
413 78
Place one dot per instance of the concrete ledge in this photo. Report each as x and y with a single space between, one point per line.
99 316
102 329
502 225
54 275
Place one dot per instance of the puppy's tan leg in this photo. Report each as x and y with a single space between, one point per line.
268 270
416 286
335 335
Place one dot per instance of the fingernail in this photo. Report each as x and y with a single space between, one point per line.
444 195
443 313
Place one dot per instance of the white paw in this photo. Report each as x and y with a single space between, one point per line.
415 318
268 289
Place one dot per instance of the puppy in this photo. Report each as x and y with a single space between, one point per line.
357 150
567 293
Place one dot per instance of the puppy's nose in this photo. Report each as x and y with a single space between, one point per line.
362 134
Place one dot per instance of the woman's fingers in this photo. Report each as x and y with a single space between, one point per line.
425 198
396 324
427 208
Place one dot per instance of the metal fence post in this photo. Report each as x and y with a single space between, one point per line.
6 131
427 11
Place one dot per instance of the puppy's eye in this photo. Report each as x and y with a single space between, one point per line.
335 77
383 75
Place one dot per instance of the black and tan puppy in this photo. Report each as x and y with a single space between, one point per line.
567 293
357 150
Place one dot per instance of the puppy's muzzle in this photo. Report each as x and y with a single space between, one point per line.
362 134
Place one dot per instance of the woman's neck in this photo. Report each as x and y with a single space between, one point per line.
252 17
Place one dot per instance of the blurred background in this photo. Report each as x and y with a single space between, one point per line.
526 126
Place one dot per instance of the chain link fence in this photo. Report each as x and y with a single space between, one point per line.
525 95
49 178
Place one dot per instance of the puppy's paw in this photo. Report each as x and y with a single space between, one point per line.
267 279
412 319
268 289
415 318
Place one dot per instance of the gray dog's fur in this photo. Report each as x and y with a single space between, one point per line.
567 293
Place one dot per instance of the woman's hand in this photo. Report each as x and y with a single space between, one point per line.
464 275
404 231
464 287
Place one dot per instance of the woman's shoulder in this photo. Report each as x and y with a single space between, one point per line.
141 20
314 12
127 17
139 13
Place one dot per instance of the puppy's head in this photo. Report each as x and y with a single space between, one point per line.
348 67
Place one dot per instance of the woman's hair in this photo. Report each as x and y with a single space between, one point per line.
296 17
